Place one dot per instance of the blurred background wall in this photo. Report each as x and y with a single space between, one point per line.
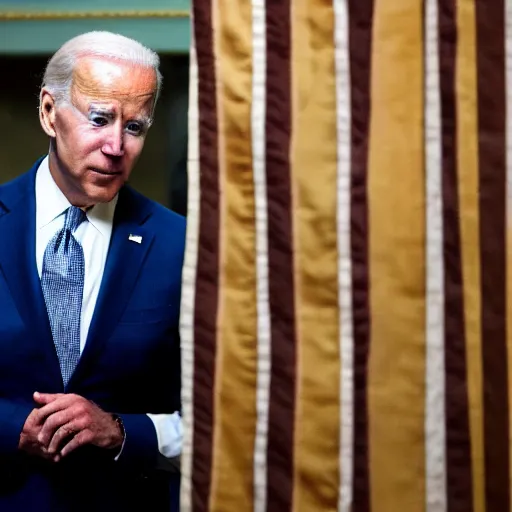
30 31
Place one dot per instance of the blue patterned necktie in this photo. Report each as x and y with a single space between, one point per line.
62 281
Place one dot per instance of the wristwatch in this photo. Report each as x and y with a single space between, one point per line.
120 425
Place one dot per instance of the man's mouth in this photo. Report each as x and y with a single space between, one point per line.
106 173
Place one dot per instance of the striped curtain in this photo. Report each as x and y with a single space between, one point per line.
347 287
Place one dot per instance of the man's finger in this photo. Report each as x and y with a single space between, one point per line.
83 437
60 403
46 398
52 423
64 432
33 419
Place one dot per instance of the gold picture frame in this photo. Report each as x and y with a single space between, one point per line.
77 15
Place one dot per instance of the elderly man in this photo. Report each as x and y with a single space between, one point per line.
90 276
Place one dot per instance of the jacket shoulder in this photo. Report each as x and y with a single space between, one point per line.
16 189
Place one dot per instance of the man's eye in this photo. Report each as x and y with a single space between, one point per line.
99 120
134 128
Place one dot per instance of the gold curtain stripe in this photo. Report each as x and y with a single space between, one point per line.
316 452
70 15
396 200
467 175
236 356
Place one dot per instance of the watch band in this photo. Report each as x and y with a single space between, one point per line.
120 425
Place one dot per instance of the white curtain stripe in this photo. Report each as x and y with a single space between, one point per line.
435 372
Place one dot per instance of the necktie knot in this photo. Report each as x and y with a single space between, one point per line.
74 217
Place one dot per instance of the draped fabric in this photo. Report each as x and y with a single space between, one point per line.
346 311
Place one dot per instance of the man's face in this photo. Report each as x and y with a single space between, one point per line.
100 134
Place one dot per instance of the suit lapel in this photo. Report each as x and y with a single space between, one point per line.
122 268
18 264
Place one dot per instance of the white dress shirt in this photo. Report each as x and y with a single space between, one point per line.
94 237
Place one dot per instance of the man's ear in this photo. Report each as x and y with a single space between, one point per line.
47 113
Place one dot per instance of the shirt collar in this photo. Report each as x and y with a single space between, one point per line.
101 216
51 203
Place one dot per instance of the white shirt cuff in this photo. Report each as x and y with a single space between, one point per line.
169 433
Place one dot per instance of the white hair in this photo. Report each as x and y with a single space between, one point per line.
58 75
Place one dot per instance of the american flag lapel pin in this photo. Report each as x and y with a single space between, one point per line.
135 238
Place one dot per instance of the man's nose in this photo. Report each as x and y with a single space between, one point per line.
114 143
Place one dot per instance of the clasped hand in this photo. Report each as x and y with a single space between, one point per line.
63 422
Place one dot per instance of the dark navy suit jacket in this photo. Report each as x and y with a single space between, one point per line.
130 364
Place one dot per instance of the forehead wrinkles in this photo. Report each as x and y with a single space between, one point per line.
104 80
